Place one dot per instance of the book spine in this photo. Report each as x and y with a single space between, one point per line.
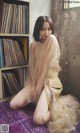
1 54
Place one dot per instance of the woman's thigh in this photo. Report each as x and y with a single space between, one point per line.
24 97
41 107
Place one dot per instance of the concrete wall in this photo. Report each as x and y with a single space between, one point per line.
37 8
67 30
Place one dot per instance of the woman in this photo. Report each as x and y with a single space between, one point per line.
43 85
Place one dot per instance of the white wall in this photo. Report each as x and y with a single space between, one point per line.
38 8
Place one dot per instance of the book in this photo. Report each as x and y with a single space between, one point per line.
1 14
8 85
11 83
19 54
1 54
24 47
1 85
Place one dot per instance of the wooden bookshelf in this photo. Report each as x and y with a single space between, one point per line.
14 46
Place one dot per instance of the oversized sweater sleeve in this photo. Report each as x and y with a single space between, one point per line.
32 63
54 68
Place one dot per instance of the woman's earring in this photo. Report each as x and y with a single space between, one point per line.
40 37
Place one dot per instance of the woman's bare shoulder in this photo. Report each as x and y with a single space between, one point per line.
32 45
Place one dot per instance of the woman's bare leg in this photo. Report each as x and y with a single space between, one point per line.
42 114
25 96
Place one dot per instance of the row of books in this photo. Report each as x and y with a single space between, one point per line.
12 53
13 82
14 18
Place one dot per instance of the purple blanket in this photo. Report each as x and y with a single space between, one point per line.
20 121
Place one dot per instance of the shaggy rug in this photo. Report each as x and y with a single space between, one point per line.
20 121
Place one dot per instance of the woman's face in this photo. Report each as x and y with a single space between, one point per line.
45 31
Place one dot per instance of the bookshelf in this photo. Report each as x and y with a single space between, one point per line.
14 46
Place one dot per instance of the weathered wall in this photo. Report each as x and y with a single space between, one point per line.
37 8
67 30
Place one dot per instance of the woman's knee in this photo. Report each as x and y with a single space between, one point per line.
17 103
39 120
13 105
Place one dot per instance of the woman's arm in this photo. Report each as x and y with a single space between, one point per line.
32 63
